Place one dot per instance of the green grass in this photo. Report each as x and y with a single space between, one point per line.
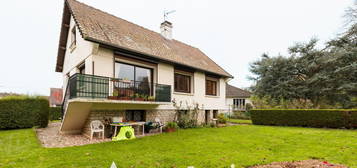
242 145
240 121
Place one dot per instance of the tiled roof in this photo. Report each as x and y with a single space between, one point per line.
232 91
98 26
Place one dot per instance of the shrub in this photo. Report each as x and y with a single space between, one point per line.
245 115
332 118
187 118
172 125
187 123
23 112
222 119
248 107
55 113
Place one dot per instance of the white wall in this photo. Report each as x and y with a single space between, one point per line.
166 76
103 61
229 102
74 57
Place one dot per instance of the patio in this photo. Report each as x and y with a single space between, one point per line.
51 138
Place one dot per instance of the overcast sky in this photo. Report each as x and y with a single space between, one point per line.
232 33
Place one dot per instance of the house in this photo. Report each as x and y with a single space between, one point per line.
112 67
56 95
236 98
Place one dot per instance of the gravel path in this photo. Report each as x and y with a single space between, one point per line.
50 137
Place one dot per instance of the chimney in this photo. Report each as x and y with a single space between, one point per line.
166 29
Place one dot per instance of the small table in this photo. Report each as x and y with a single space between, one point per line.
127 124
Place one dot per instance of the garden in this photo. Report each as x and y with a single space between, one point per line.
242 145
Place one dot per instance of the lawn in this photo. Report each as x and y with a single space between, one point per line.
240 121
242 145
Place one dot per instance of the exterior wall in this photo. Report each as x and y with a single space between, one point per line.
103 62
166 76
100 115
229 103
164 116
82 53
100 61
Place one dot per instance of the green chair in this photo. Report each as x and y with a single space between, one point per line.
126 133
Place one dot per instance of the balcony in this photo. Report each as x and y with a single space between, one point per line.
98 87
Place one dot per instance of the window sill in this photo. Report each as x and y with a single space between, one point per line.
182 93
211 96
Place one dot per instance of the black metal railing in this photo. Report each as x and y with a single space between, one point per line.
90 86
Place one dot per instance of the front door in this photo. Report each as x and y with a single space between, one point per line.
207 116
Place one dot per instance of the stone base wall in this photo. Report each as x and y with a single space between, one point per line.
170 115
164 116
100 115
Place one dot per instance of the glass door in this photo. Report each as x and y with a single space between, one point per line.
133 81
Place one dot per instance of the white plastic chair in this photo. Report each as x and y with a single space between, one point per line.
96 126
157 120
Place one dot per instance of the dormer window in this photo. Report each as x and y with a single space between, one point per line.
73 38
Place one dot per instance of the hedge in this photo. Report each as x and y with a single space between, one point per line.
331 118
23 112
55 113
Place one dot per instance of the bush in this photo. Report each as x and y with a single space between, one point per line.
187 119
171 125
248 107
245 115
187 123
222 119
331 118
55 113
23 112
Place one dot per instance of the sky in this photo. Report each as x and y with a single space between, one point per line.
233 33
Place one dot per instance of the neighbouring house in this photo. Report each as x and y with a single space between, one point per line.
56 95
112 67
236 98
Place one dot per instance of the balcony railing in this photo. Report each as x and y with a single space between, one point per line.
90 86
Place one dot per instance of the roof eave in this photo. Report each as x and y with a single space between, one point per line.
63 37
110 45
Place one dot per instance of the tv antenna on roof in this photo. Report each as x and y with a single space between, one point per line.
166 14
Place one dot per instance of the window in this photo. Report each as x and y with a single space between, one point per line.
239 103
134 115
133 73
215 113
73 37
211 87
132 76
207 116
182 83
